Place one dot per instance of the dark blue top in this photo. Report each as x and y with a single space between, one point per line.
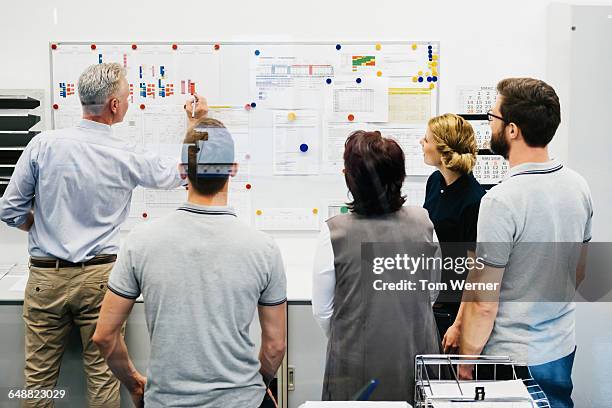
453 209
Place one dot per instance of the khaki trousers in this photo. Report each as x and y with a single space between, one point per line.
55 301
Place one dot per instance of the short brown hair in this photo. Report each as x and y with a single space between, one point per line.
455 141
204 185
374 170
533 106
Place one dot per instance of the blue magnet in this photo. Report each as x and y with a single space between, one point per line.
257 52
420 79
328 80
304 147
253 104
358 80
338 46
429 47
435 79
428 79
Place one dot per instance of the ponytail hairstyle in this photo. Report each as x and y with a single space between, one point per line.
455 141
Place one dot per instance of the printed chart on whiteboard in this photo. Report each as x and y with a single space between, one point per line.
289 107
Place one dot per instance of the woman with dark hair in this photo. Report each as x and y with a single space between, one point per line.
372 333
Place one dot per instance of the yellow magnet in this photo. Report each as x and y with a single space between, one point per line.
292 116
431 86
378 47
420 73
315 211
379 73
415 79
258 212
414 46
435 57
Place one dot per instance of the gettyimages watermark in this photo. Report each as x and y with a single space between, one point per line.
507 272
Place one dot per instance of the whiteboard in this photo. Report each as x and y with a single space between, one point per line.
289 106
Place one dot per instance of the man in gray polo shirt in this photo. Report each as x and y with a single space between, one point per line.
540 202
202 274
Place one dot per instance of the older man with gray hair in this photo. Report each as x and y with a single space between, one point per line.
71 190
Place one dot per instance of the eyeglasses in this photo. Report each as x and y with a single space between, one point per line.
490 117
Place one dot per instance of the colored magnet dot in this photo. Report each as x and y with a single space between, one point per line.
93 46
358 80
434 64
248 186
429 47
351 117
414 46
55 106
420 79
315 211
338 47
420 73
428 79
379 73
378 47
134 46
257 52
431 86
328 80
247 106
303 147
258 212
54 46
142 106
174 46
145 215
434 78
434 73
291 116
343 209
435 57
253 104
217 46
415 79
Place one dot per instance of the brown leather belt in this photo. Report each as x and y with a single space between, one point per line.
60 263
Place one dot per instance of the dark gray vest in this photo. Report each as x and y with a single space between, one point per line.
376 335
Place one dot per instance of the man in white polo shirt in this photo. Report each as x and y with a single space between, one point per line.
540 202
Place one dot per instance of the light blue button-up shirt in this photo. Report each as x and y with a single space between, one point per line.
79 182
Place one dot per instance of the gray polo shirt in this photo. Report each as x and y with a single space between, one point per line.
536 204
202 274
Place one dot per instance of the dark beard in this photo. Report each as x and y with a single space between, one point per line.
499 145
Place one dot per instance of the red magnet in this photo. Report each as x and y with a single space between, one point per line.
217 46
247 106
248 186
54 46
174 46
142 106
93 46
145 215
134 46
55 106
351 117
